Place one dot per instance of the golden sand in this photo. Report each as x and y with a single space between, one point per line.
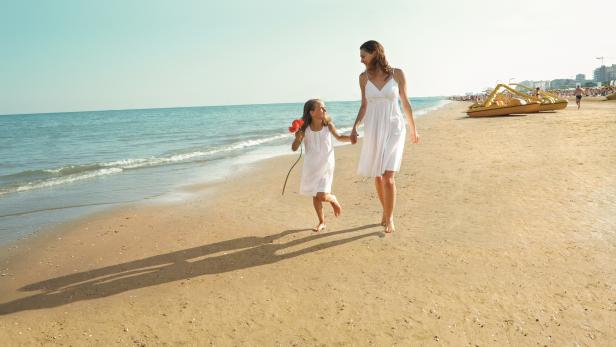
506 235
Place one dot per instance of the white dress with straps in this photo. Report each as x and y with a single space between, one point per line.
319 162
384 130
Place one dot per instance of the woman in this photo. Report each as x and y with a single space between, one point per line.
384 132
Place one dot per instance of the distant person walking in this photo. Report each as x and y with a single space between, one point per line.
578 96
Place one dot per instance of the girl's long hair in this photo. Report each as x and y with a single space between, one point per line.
379 61
307 118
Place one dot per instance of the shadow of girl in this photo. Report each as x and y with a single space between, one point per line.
169 267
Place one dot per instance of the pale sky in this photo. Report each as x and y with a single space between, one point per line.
77 55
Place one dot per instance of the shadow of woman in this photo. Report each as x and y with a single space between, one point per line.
169 267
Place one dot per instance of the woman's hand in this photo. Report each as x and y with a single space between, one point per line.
353 136
415 137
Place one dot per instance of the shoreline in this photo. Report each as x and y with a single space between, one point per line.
504 236
195 191
169 189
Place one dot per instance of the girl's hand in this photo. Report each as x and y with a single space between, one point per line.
299 136
353 136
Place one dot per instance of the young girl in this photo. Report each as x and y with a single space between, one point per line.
318 171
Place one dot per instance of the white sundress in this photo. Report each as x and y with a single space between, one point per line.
384 131
319 162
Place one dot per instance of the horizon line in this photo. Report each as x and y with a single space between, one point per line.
193 106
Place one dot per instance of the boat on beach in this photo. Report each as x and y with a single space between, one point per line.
559 105
548 101
503 110
503 101
611 96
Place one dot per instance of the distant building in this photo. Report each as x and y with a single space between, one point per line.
605 74
563 83
600 74
534 84
611 72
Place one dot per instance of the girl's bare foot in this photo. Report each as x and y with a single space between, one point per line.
389 227
319 227
336 206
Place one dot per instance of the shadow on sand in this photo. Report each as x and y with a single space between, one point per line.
188 263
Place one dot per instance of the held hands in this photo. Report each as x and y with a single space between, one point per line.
415 138
353 136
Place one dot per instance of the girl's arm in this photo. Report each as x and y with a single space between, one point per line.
406 105
299 136
334 131
363 79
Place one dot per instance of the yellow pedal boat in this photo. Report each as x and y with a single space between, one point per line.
549 101
499 104
503 110
559 105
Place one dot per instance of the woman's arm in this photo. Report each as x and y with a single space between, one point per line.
363 79
334 131
299 136
406 105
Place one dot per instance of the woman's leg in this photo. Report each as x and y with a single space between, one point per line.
389 189
318 207
378 183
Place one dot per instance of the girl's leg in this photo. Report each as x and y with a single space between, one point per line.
389 185
380 191
327 197
318 207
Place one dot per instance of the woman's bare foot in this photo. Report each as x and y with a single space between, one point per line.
389 227
319 227
383 221
336 206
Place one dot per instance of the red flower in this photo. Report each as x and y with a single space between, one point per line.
295 125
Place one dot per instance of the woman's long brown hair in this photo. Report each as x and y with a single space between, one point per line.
379 61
